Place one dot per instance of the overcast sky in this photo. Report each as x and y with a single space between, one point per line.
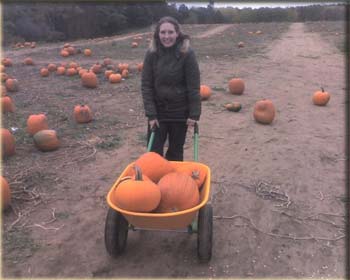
253 5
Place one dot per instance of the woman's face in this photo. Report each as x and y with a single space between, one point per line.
167 34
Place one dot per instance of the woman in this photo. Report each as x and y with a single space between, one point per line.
170 88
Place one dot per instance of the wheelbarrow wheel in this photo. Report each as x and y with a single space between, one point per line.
205 233
116 233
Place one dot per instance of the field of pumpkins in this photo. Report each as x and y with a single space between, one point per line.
73 120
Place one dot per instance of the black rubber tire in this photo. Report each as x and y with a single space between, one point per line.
116 233
205 233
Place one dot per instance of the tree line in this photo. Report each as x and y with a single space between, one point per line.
50 22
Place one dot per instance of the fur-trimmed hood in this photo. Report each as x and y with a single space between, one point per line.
183 47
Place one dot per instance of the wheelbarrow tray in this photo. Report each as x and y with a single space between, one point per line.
162 221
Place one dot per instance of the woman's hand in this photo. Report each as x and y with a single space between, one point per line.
153 123
191 122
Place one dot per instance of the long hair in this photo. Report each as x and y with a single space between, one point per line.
155 45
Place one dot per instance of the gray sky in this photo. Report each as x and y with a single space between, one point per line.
253 5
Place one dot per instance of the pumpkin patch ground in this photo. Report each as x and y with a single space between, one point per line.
277 190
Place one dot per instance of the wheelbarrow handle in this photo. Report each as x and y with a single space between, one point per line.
195 139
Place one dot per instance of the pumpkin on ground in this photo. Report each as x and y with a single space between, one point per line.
233 106
236 86
60 70
82 114
136 195
52 67
197 172
46 140
264 111
89 79
96 68
5 193
7 104
139 67
28 61
7 143
125 73
35 123
205 92
134 44
87 52
154 165
7 61
321 97
115 78
178 192
44 72
11 84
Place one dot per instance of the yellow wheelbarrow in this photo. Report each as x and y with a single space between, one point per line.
198 219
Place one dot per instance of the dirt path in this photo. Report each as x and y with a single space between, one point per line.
213 31
276 190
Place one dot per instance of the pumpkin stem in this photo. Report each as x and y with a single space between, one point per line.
138 173
322 89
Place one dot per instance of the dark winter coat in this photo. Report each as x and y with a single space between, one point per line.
171 83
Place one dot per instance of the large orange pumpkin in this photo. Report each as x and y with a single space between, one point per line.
264 111
136 195
154 165
82 114
5 193
52 67
7 143
321 97
35 123
46 140
28 61
7 104
236 86
89 79
178 192
44 72
197 172
205 92
61 70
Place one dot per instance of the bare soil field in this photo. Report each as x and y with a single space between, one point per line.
278 191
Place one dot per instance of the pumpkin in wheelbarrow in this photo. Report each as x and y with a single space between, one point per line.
178 192
136 195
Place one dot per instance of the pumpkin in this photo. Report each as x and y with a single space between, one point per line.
205 92
115 78
122 66
82 114
71 50
5 193
136 195
96 68
108 73
233 106
236 86
7 143
321 97
46 140
35 123
64 53
33 45
89 79
139 67
154 165
87 52
71 71
134 44
6 61
178 192
7 104
28 61
240 45
44 72
52 67
4 77
11 84
61 70
82 71
73 65
264 111
125 73
197 172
